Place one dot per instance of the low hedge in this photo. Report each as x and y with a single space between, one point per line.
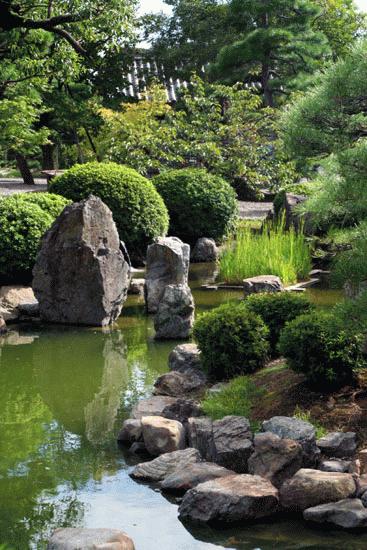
137 208
232 340
199 204
24 218
276 309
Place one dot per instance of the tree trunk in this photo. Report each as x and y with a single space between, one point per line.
48 157
265 78
24 169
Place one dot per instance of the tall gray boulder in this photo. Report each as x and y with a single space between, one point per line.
168 261
175 315
81 275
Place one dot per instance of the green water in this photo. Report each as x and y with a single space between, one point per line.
64 394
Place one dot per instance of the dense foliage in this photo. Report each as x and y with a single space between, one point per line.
316 345
224 129
24 218
137 208
232 340
276 309
199 204
273 251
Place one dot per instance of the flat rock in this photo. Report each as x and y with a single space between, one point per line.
205 250
184 357
227 442
338 444
131 431
81 276
274 458
136 287
230 499
334 465
162 435
182 410
72 538
152 406
309 488
262 283
164 465
167 263
192 475
12 297
177 384
288 427
175 314
348 513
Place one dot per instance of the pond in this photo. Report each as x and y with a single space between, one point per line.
64 394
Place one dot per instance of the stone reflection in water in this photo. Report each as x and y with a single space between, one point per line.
100 414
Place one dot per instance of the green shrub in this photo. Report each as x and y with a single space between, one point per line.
236 398
274 251
232 340
199 204
276 309
24 218
352 314
316 345
137 208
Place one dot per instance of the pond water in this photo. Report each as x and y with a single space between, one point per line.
64 394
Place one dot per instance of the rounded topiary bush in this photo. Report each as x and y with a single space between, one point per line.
232 340
137 208
316 345
276 309
199 204
24 218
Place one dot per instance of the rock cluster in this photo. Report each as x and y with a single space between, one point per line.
81 276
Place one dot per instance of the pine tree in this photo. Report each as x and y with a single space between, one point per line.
278 48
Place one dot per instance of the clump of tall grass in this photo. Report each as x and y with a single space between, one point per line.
274 251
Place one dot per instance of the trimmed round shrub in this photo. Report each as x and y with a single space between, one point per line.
24 218
232 340
276 309
137 208
199 204
316 345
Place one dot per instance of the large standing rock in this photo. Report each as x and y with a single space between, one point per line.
175 315
312 487
192 475
274 458
168 261
348 513
152 406
81 276
230 499
227 442
184 357
205 250
338 444
72 538
12 298
164 465
178 384
262 283
299 430
162 435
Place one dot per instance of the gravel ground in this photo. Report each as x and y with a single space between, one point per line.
254 210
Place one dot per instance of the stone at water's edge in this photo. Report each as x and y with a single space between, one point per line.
81 276
162 435
274 458
338 444
262 283
168 261
175 315
72 538
230 499
152 406
164 465
205 250
182 410
348 513
184 357
137 287
12 298
309 488
178 384
131 431
192 475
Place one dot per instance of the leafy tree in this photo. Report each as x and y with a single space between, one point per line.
341 22
278 47
221 128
